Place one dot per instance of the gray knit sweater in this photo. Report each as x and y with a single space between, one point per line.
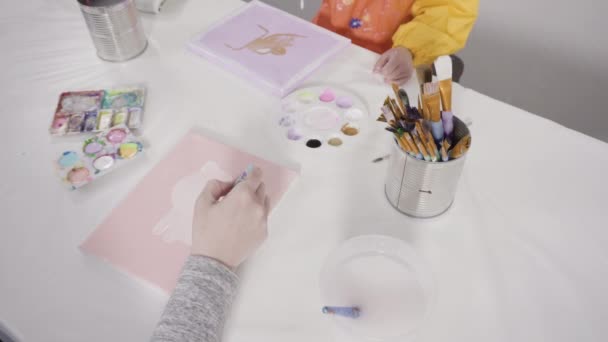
199 304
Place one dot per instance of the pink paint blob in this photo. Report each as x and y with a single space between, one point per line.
328 95
116 135
78 175
59 122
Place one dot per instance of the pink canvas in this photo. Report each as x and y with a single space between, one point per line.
268 46
149 234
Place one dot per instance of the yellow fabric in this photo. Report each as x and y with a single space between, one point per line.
439 27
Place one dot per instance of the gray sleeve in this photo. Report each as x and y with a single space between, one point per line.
199 304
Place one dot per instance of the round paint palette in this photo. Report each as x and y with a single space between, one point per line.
322 116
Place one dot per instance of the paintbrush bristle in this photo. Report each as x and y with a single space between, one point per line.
431 88
443 67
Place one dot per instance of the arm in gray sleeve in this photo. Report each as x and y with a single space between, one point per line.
199 304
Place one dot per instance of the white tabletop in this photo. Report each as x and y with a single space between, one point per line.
521 256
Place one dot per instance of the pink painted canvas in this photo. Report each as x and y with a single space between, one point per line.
149 234
268 46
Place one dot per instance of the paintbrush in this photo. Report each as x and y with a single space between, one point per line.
445 145
388 115
411 148
398 110
399 100
422 133
420 146
404 98
350 312
415 114
379 159
461 147
443 68
432 107
389 103
412 143
433 146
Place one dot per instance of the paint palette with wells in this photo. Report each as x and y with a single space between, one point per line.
322 116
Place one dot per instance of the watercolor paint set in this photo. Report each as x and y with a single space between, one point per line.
322 115
98 110
97 156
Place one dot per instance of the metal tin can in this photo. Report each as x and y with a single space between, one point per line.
115 28
424 189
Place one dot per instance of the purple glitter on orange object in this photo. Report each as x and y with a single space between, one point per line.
355 23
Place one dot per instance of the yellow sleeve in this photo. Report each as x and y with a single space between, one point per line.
439 27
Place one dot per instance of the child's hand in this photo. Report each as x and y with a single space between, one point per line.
395 65
230 230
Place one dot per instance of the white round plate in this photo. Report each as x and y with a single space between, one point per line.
386 279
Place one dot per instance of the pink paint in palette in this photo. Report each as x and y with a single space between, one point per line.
149 234
268 46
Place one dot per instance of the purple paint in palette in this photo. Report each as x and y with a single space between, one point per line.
294 134
97 156
268 46
93 146
344 102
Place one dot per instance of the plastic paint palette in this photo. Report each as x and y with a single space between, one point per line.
383 277
98 110
322 115
97 156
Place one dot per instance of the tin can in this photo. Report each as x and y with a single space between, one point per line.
115 28
424 189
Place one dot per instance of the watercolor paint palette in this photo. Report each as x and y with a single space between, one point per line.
97 156
98 110
322 115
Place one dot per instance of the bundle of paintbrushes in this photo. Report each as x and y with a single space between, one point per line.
426 132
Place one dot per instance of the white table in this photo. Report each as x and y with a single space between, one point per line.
521 256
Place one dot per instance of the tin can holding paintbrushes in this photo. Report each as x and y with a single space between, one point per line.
115 28
421 188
